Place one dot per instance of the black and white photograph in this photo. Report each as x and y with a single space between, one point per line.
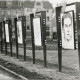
37 31
7 32
39 39
67 30
19 32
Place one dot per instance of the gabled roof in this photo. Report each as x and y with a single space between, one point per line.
47 5
2 4
14 4
29 4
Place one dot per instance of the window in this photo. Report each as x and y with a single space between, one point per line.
2 12
29 10
38 3
48 18
8 12
38 9
19 3
47 11
27 18
28 27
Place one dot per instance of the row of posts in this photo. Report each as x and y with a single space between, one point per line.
42 16
20 22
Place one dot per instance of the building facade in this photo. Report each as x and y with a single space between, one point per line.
12 9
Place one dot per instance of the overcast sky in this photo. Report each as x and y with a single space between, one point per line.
54 2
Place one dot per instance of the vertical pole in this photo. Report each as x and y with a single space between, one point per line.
0 34
32 36
58 11
5 37
10 35
74 31
43 16
78 30
24 35
15 22
2 38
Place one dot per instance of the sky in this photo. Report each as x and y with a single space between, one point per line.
54 2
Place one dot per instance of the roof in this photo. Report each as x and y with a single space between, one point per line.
14 4
2 4
29 4
47 5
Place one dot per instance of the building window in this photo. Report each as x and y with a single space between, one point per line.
38 9
48 18
47 11
27 27
38 3
8 12
19 3
29 10
2 13
27 18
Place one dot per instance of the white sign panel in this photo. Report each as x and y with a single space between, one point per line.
71 7
67 30
19 32
37 31
7 32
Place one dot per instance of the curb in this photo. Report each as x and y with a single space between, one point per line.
12 72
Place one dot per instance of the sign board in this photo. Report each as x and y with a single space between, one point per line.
19 32
7 32
67 30
37 31
71 7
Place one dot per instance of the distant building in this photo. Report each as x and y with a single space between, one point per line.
12 9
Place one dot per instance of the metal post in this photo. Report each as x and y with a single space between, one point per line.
78 30
1 40
0 34
5 38
58 11
32 35
10 35
24 35
15 22
43 16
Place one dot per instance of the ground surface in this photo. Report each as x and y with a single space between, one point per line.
70 65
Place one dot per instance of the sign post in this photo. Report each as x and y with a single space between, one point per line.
38 31
4 37
58 11
32 35
69 11
15 22
78 30
0 36
24 35
8 34
43 14
21 32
